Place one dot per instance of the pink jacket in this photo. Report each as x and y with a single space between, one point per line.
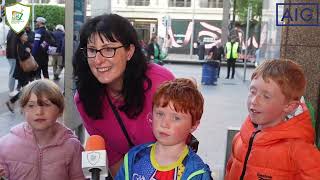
23 159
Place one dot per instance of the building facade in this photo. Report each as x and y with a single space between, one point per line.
177 18
186 21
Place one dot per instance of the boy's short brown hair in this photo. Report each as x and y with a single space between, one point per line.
287 74
43 88
184 96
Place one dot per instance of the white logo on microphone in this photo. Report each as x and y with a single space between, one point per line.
93 157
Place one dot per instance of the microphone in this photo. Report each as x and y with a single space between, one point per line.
94 158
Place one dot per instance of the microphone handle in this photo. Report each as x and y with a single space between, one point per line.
95 173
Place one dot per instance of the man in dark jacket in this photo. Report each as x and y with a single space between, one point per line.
11 56
40 46
216 53
58 58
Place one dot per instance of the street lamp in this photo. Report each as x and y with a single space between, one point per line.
249 14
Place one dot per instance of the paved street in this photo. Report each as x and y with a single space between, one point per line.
224 107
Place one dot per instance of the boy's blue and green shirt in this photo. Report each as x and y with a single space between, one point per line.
139 163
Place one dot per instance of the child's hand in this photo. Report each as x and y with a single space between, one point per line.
1 172
28 50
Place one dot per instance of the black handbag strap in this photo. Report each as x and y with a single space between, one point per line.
116 114
18 53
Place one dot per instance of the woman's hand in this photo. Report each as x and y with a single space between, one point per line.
28 49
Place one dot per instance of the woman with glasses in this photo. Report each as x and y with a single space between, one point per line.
115 85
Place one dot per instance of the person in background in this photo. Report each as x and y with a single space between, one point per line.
41 147
40 47
257 57
232 50
11 56
30 34
113 77
167 44
276 141
144 48
58 59
154 50
177 110
201 49
216 53
23 52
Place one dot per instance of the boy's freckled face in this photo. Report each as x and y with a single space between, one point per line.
171 127
266 103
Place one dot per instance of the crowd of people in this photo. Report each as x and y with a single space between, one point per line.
28 44
154 52
147 116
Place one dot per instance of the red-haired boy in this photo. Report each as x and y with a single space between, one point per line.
177 110
276 141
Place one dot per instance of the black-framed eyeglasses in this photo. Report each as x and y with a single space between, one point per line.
107 52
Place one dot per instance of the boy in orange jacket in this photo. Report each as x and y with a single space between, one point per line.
276 141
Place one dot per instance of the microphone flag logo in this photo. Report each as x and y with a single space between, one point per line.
93 157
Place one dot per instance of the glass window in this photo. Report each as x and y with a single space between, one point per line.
220 4
211 3
138 2
179 3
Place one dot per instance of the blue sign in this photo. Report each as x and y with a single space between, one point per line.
298 14
78 21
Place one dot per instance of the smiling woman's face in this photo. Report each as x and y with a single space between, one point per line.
108 70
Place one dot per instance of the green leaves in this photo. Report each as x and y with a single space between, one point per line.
53 14
10 2
242 10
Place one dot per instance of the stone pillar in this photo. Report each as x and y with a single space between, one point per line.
302 44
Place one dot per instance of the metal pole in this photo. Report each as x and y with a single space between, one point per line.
3 21
32 15
246 43
192 33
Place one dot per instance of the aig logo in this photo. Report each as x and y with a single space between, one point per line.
297 14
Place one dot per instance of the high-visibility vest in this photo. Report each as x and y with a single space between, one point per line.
234 50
